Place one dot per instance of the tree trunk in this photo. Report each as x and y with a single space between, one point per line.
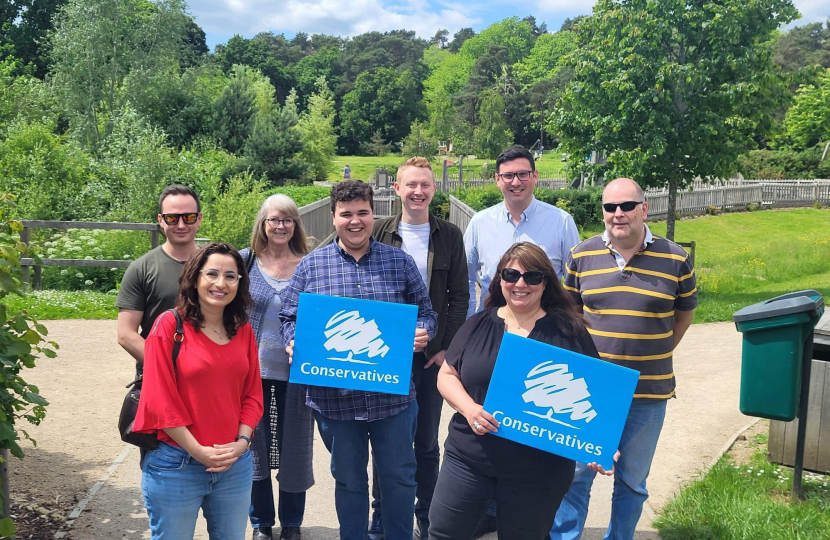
673 183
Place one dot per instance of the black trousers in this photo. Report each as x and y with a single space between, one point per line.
528 500
427 449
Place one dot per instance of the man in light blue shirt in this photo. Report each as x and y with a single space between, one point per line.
519 218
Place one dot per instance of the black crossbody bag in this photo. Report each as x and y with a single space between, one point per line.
130 406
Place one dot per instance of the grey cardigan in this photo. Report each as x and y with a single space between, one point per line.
295 463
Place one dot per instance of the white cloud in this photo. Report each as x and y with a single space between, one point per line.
249 17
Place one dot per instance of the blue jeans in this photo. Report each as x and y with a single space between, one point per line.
637 446
175 486
427 449
392 439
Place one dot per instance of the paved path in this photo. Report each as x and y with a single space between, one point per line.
78 447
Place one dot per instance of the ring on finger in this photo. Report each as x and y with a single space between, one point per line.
476 425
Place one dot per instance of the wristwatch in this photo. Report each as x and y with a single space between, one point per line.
246 439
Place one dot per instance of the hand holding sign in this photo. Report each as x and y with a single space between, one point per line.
560 401
480 420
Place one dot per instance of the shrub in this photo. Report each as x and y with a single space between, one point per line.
777 164
22 340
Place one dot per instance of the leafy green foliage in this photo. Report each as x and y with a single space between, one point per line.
22 340
671 90
317 132
791 164
49 174
808 120
95 45
492 134
274 147
383 100
419 142
545 59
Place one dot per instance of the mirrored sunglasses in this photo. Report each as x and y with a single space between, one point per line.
189 218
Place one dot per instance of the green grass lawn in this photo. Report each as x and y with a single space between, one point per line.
550 166
747 501
744 258
49 304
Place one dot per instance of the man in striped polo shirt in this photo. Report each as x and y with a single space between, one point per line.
638 294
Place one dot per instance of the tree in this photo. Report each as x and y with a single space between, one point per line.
419 142
569 25
803 46
459 38
385 101
95 45
671 90
376 146
545 59
492 134
440 38
25 26
274 146
808 120
234 113
317 132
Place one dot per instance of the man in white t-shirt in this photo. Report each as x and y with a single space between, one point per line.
438 249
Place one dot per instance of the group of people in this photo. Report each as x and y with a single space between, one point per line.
217 393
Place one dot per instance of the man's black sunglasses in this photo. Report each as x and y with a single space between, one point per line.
189 218
626 206
532 277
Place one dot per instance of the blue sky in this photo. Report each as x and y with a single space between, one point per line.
221 19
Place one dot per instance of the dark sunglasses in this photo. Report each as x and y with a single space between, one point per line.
626 206
532 277
189 218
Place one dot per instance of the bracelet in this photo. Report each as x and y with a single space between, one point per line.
246 439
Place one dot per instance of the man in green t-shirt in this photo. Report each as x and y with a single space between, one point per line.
151 283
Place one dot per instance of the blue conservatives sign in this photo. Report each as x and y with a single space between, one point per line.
559 401
353 344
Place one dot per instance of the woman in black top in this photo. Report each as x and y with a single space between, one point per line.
528 484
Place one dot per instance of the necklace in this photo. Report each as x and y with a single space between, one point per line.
215 331
520 323
280 266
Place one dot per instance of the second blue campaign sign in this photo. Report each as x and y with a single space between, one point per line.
559 401
353 344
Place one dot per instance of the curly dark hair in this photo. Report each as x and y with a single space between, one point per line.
235 314
349 190
555 301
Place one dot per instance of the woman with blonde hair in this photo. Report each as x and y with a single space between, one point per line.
278 243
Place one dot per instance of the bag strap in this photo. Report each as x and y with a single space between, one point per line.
249 261
178 337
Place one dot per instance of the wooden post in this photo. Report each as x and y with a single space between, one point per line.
38 282
24 237
460 171
445 178
154 239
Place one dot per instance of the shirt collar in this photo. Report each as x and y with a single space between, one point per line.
526 215
346 255
649 238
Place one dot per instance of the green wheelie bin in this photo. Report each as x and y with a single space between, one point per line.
774 336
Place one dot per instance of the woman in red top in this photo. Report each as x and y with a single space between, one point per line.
204 412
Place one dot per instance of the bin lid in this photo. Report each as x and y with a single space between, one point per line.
808 301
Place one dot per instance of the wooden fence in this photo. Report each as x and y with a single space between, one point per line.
28 263
460 213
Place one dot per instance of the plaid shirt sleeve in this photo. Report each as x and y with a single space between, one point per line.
290 300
